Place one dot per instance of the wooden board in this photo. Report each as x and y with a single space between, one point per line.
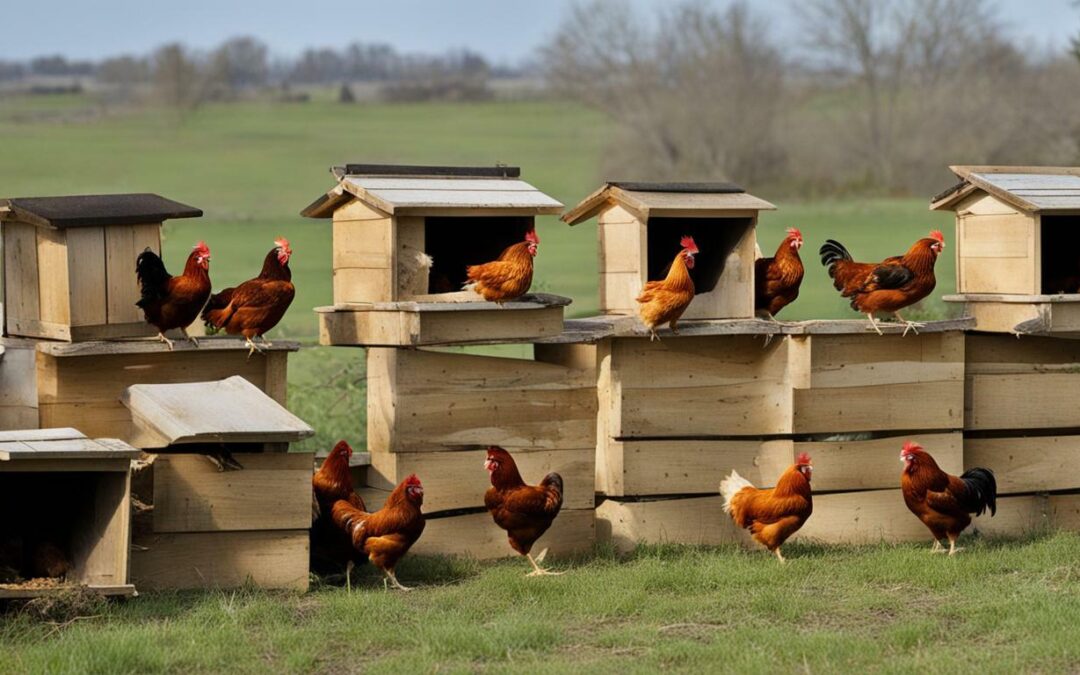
124 590
998 254
476 535
86 275
1015 516
231 410
457 480
271 492
65 449
18 385
1031 464
54 282
697 520
863 518
268 559
841 465
1057 315
426 401
21 299
1065 511
123 244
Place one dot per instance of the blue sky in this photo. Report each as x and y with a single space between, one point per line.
503 30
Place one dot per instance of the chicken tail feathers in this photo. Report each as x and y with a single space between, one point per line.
833 252
553 485
150 270
731 486
347 517
981 490
218 309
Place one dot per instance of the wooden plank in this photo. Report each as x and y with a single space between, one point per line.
475 535
927 405
457 479
21 299
74 465
271 492
410 278
423 401
363 243
123 244
1021 401
619 290
54 279
862 518
983 204
18 389
697 521
699 201
998 275
1065 512
1015 516
838 361
999 317
40 434
358 210
86 275
842 464
72 448
996 236
124 590
398 200
448 184
231 410
1031 464
101 544
277 377
362 285
266 559
228 347
622 243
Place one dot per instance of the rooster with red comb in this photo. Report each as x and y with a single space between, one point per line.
664 301
777 279
775 514
888 286
257 305
170 302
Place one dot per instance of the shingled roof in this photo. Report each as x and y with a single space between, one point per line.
1031 189
660 198
90 210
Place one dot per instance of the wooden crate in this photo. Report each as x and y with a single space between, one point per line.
18 384
693 520
1016 516
79 385
94 477
1065 511
69 263
1017 384
640 226
430 401
387 217
863 517
1027 464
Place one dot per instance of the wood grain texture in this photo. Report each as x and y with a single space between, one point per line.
862 518
1031 464
697 521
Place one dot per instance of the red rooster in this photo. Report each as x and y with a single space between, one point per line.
386 535
257 305
507 277
889 286
941 501
331 547
170 302
664 301
524 511
771 515
777 279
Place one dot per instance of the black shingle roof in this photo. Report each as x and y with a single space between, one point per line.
90 210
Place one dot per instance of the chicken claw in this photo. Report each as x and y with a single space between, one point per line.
394 582
248 342
874 323
190 338
913 326
779 556
540 571
167 341
938 548
953 549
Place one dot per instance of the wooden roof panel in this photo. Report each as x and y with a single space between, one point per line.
1028 188
90 210
397 195
60 444
715 197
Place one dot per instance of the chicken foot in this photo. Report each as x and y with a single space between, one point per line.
953 549
537 570
189 338
248 342
937 548
779 556
874 323
392 578
913 326
167 341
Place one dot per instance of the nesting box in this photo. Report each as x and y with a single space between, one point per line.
1017 237
641 224
230 504
65 503
69 263
403 238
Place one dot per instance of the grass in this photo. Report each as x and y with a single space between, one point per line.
999 607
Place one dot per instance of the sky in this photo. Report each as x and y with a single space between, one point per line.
505 31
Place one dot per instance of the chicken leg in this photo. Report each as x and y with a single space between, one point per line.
348 575
167 341
913 326
674 326
189 338
953 550
537 570
873 323
779 556
392 578
937 548
248 342
652 334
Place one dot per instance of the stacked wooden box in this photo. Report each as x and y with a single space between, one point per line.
432 410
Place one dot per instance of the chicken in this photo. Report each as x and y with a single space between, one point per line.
524 511
331 547
941 501
777 279
507 277
170 302
889 286
775 514
257 305
386 535
665 301
49 561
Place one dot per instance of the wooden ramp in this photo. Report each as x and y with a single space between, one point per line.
227 411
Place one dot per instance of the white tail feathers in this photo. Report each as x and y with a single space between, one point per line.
730 486
758 255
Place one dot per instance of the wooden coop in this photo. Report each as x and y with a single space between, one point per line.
65 513
403 237
69 263
677 416
434 413
222 500
640 226
1017 243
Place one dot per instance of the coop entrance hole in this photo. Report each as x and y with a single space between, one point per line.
716 238
1060 254
455 242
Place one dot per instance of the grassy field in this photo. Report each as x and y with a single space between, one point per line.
998 607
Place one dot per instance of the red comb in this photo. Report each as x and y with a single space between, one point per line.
794 231
803 458
282 242
531 236
688 243
937 235
912 446
202 248
412 480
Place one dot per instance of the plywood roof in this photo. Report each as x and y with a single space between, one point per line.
60 444
91 210
227 411
657 198
1029 188
442 191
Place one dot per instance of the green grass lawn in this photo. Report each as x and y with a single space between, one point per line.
998 607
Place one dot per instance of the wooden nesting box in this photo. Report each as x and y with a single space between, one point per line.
640 226
79 385
231 505
435 413
64 498
403 237
1017 232
69 263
